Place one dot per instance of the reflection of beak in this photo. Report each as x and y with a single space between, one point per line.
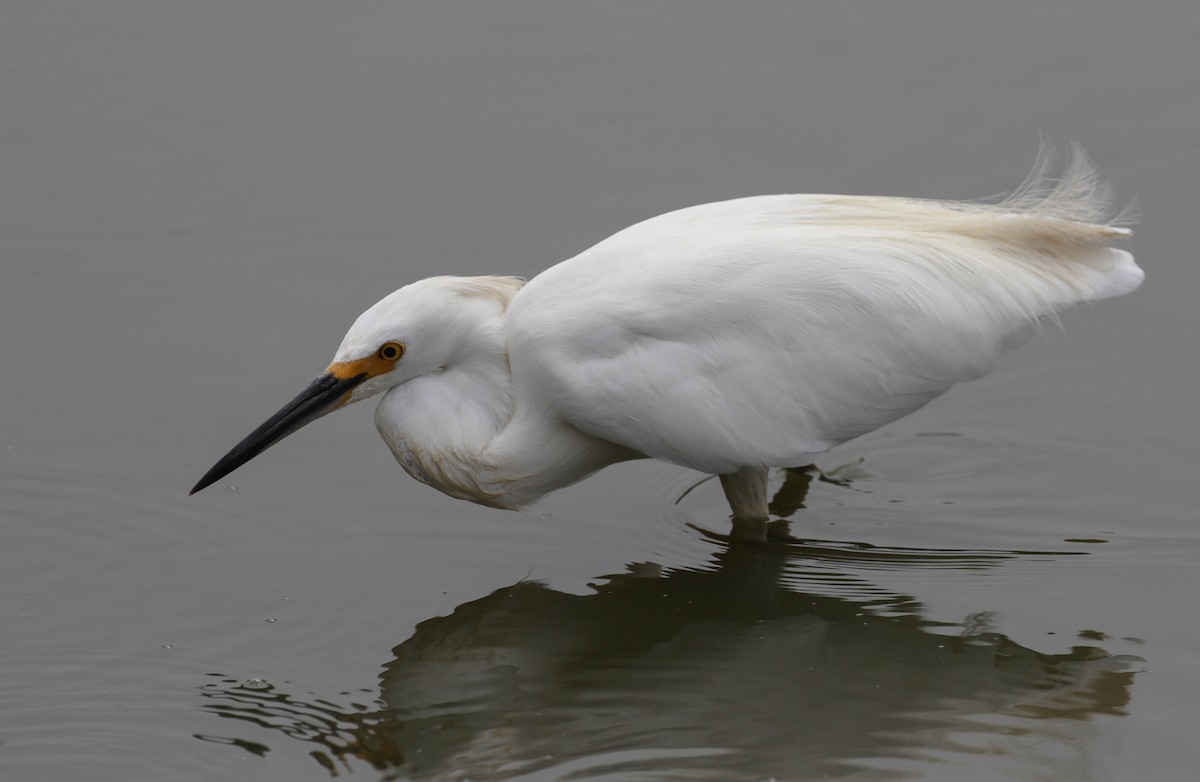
324 395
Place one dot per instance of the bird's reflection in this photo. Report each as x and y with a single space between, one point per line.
773 660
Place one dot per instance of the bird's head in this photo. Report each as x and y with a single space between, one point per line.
421 328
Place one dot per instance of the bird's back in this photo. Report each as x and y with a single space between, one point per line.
762 331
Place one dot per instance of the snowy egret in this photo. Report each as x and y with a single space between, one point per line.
729 337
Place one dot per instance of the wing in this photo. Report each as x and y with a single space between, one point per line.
762 331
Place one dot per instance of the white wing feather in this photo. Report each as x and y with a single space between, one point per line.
765 330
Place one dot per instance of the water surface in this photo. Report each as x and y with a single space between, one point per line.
197 200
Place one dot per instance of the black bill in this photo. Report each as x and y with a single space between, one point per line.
322 396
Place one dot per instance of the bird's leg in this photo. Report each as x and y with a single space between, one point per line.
746 491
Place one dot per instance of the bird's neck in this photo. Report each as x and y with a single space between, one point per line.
439 424
464 431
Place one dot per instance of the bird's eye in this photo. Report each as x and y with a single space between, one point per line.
391 351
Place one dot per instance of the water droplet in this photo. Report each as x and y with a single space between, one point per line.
256 684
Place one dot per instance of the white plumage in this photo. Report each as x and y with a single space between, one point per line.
728 337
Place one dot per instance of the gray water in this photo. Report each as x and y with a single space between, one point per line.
196 199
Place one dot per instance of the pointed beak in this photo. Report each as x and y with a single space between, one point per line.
324 395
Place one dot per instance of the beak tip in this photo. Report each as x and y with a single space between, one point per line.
211 477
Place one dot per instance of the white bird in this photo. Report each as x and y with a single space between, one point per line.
729 338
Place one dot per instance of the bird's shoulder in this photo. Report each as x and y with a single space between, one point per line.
676 255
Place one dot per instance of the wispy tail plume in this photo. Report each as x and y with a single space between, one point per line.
1077 195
